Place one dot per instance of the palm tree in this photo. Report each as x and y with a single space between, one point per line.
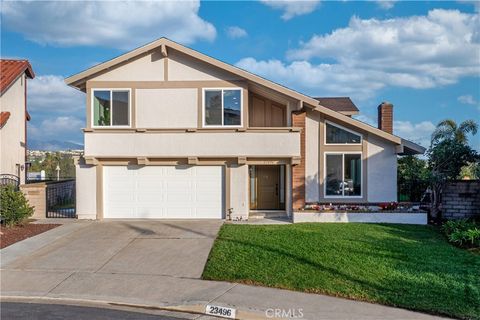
449 130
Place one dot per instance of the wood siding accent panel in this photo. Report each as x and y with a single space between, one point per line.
266 113
298 171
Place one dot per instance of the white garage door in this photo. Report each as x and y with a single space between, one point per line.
163 192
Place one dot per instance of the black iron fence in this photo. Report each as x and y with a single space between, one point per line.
60 199
10 179
412 191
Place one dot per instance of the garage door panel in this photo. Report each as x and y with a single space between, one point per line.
181 192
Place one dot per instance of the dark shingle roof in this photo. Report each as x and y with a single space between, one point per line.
339 104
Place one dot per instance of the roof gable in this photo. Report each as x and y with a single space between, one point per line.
163 45
10 70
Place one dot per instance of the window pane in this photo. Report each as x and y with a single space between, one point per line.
120 113
231 107
338 135
101 108
334 175
213 107
353 175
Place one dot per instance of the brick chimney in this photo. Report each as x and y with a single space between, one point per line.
385 117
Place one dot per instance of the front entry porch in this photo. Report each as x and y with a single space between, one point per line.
267 192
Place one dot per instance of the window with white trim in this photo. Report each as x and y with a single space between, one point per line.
343 175
222 107
110 108
335 134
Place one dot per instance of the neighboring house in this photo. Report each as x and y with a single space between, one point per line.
173 133
14 117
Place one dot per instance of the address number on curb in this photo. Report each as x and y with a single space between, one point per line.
220 311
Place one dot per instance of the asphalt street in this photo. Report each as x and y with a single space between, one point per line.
36 311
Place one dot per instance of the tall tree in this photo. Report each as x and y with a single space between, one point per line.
413 178
448 153
449 130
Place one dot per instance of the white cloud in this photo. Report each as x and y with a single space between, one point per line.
292 8
49 93
61 128
417 132
366 119
317 80
467 99
235 32
123 25
386 4
417 52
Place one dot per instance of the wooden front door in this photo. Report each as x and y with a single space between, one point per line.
266 113
268 181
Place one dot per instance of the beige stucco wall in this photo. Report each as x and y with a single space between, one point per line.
86 184
312 163
146 68
239 196
184 68
12 135
184 144
382 170
167 108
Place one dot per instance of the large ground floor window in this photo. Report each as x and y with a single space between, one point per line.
343 174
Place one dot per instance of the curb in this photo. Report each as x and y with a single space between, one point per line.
198 309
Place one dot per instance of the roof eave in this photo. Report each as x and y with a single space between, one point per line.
411 148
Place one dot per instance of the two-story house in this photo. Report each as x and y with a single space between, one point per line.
13 119
173 133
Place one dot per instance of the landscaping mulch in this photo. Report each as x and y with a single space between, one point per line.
10 235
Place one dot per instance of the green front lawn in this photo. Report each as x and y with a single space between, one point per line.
408 266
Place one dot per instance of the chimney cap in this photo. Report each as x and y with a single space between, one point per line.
386 103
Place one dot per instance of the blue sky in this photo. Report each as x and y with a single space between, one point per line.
424 57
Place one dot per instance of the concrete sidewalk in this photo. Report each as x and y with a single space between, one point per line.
175 292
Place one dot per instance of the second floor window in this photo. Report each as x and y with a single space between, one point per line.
339 135
111 108
222 107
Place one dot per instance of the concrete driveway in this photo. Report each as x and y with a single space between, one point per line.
152 265
169 248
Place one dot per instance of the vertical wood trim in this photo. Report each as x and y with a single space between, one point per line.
99 186
245 107
165 69
365 167
199 108
288 190
133 99
321 150
89 108
227 189
321 172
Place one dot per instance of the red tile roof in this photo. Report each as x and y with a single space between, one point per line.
3 118
10 70
339 104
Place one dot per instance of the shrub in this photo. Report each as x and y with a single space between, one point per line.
14 208
463 233
388 205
